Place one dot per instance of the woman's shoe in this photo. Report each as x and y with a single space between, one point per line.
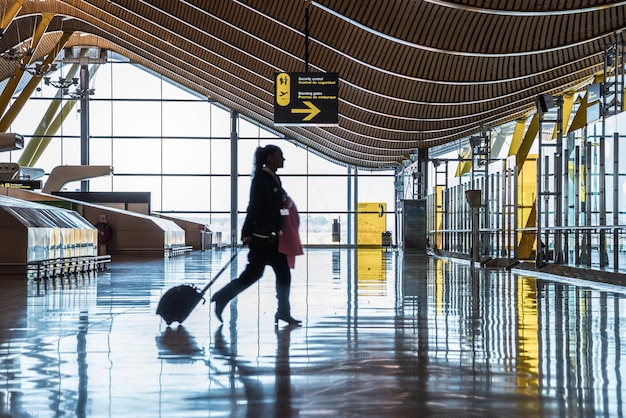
287 318
219 308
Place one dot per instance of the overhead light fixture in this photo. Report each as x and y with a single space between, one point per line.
16 54
61 83
544 102
80 93
38 69
476 141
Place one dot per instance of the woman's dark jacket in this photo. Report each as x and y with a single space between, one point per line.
266 198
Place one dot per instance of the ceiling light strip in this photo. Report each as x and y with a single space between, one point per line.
530 13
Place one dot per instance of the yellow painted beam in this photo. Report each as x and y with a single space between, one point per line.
518 136
10 14
46 129
44 140
11 114
10 88
12 84
40 30
580 118
527 142
31 152
439 193
464 167
568 104
41 137
527 240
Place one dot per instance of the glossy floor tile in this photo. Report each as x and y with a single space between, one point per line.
384 334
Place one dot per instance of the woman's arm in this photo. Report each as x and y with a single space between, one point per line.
263 213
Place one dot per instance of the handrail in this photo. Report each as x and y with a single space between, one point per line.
178 250
67 266
533 229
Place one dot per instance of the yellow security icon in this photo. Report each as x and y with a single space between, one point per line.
283 89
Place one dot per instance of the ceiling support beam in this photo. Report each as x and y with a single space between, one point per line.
11 86
10 14
41 28
49 126
14 110
527 142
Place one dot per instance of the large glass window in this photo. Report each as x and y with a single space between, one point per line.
219 162
163 139
326 193
136 118
185 118
137 155
192 154
186 193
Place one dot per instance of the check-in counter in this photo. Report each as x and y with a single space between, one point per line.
31 232
198 235
121 233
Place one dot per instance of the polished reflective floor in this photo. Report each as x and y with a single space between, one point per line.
384 334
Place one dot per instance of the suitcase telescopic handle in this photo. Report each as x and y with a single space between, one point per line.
234 256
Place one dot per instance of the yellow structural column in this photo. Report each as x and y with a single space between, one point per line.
56 123
10 14
524 147
14 81
10 88
520 147
40 30
19 103
568 105
40 138
44 139
465 166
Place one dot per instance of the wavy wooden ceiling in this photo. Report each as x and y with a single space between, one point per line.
413 74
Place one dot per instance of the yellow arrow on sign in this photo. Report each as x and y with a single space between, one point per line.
312 110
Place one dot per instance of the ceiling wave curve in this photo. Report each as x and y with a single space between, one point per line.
412 74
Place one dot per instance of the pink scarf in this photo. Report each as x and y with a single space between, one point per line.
289 239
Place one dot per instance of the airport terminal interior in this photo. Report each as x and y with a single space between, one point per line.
461 198
384 334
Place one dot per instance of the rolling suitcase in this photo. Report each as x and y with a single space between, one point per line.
178 302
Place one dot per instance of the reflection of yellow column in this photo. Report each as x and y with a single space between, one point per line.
527 339
441 265
372 222
371 272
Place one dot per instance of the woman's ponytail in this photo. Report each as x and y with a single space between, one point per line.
261 154
259 158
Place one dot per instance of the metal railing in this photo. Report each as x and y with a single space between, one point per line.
68 267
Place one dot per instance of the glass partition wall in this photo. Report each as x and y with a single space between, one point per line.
163 139
582 210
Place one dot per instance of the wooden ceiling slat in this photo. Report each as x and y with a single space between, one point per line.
412 73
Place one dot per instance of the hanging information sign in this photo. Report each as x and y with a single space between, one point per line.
306 99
